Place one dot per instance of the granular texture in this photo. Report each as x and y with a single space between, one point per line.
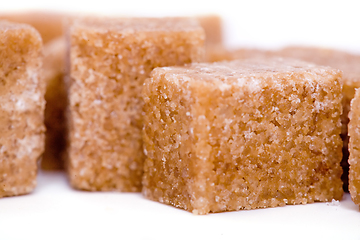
354 148
48 24
50 27
242 135
55 96
349 64
21 108
109 60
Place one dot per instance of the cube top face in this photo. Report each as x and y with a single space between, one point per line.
23 31
252 73
21 108
129 26
20 52
328 57
268 139
18 42
109 62
110 46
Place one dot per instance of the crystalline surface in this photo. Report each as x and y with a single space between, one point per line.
109 61
242 135
346 62
50 27
21 108
354 149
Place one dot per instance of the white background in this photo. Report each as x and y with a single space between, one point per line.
252 23
55 211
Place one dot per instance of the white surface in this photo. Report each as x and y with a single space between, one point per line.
55 211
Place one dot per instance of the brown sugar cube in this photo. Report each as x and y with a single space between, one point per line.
242 135
109 60
48 24
55 96
354 149
21 108
219 53
349 64
246 53
212 25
